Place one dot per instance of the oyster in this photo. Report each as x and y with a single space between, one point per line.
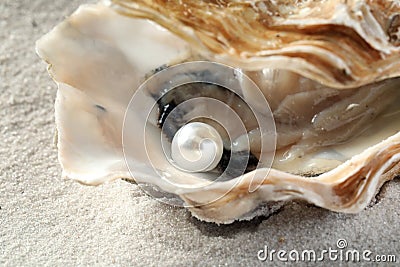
325 74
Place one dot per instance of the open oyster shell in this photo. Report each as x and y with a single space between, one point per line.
327 68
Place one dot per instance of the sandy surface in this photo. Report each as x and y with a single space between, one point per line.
45 220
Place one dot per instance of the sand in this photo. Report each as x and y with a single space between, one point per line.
48 221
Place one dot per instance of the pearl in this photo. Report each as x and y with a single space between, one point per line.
196 147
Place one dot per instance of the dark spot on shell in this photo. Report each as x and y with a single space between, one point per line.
156 70
103 109
394 30
230 161
161 68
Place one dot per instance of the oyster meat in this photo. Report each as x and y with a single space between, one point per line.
295 99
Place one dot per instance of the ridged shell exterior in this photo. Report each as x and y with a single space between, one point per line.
340 43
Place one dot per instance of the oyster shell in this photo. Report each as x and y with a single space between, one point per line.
327 68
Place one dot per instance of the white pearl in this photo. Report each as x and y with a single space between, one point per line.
196 147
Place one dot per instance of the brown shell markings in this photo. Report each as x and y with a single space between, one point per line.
339 43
